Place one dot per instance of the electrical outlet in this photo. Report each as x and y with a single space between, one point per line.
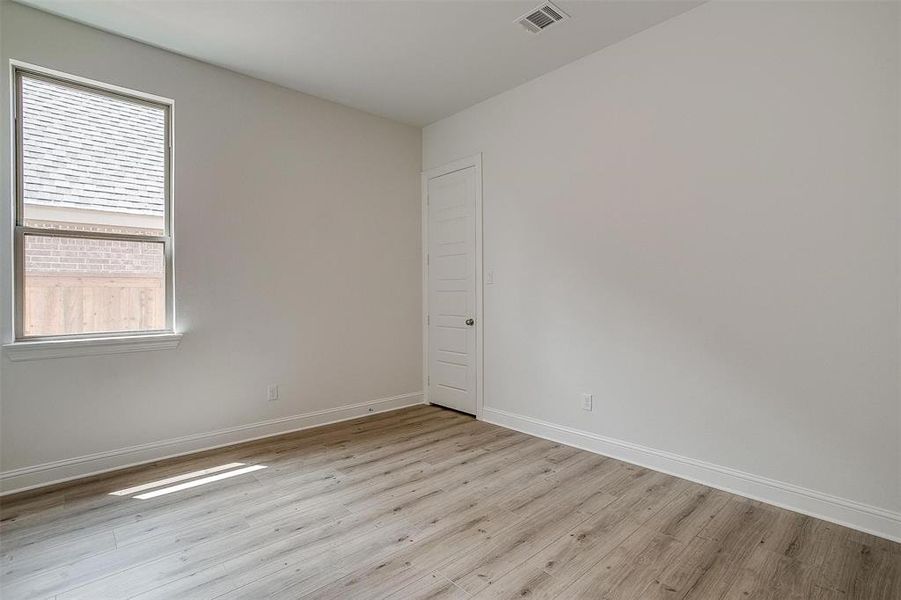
272 393
489 278
586 401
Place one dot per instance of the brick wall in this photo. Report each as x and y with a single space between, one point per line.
76 256
47 255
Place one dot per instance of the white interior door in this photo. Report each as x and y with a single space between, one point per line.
452 290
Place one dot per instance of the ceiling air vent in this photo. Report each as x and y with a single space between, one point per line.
542 17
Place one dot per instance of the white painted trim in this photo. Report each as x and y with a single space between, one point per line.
424 252
870 519
26 478
90 83
474 161
114 218
63 348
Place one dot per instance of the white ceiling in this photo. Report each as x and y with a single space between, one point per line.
412 61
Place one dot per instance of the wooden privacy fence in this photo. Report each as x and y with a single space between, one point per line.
66 304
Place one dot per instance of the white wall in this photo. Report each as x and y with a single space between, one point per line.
297 237
699 225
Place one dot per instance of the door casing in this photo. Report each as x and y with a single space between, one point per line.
474 161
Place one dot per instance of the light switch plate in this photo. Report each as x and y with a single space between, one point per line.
587 400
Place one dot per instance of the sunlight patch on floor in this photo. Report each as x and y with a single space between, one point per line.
196 479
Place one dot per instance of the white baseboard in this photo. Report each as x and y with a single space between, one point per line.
26 478
870 519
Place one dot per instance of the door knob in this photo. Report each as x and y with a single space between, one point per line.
470 322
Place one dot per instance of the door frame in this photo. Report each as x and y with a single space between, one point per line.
474 161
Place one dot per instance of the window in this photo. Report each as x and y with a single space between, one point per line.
93 246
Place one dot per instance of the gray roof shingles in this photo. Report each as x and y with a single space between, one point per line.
90 150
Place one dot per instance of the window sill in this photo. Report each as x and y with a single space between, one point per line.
43 349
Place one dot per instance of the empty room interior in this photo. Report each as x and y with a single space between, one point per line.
450 299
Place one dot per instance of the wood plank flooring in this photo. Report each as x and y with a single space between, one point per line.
425 503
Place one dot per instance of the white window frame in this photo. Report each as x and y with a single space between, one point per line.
25 347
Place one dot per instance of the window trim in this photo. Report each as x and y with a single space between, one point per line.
62 348
115 341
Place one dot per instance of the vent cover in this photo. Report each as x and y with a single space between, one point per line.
541 18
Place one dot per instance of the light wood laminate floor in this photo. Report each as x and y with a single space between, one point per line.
426 503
